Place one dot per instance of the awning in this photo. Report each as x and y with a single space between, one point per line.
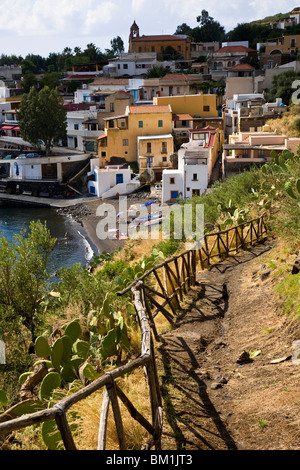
102 136
7 128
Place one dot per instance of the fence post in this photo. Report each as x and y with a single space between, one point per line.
64 429
103 420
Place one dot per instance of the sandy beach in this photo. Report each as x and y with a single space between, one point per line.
86 215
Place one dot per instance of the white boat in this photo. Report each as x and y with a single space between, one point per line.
157 221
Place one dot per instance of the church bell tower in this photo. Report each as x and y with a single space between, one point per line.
134 33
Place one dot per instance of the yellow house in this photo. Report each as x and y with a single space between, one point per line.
283 45
155 154
194 105
119 142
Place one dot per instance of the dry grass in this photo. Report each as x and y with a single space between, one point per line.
135 388
285 124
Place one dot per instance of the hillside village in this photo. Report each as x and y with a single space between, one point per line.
193 346
205 118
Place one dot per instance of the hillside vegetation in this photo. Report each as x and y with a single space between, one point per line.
84 305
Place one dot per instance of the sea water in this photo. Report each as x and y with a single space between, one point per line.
72 244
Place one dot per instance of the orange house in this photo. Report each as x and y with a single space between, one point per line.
159 43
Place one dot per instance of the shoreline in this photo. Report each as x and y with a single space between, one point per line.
85 215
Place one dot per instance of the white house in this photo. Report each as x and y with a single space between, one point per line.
110 181
196 161
192 176
130 64
82 130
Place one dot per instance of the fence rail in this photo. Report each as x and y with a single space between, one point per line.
159 291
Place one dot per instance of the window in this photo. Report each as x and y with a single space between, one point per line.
149 162
141 124
195 177
125 142
125 66
164 159
76 127
160 123
148 147
103 154
293 42
172 180
164 147
206 108
112 107
152 49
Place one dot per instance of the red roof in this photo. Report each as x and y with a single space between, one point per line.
175 77
226 49
211 140
204 129
162 37
242 67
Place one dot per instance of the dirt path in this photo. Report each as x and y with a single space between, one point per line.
213 399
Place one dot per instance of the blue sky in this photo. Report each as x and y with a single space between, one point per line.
44 26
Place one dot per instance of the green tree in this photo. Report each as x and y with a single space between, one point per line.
184 29
28 66
51 79
42 118
253 33
157 71
24 276
209 29
29 81
282 87
117 45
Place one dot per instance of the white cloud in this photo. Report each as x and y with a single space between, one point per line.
101 14
43 26
137 5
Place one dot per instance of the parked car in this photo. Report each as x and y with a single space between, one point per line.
32 155
21 156
8 157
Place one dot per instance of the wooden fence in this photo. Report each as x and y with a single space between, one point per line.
160 290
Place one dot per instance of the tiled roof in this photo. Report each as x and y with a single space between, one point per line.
162 37
234 49
242 67
182 117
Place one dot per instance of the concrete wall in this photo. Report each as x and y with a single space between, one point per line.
190 104
239 85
